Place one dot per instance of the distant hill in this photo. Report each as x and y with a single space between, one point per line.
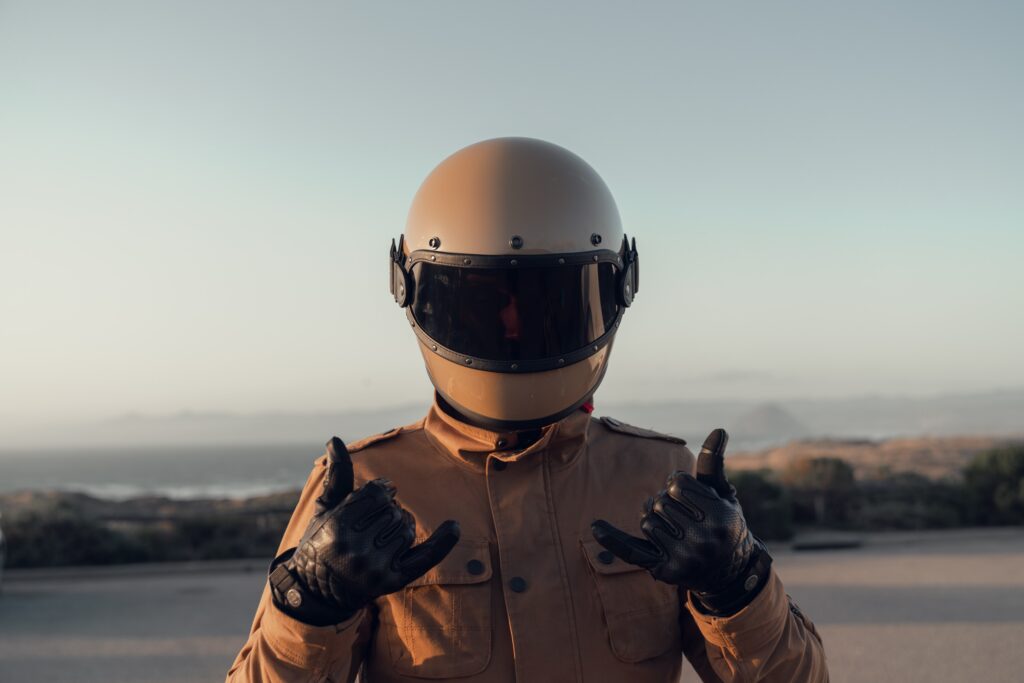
932 457
754 425
769 422
751 424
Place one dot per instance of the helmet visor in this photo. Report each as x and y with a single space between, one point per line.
515 314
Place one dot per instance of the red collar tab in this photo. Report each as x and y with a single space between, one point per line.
587 407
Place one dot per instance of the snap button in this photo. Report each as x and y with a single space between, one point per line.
751 582
293 597
475 567
517 584
606 557
502 443
499 465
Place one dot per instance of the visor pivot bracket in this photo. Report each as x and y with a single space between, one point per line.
399 279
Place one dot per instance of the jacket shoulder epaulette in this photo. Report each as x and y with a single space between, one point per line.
371 440
623 428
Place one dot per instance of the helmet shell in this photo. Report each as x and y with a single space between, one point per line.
513 196
482 197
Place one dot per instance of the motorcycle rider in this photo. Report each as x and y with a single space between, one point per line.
505 536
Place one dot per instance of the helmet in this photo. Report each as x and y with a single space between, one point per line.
514 272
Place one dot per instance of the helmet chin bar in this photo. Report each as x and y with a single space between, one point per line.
462 414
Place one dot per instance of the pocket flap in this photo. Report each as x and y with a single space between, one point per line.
604 561
468 562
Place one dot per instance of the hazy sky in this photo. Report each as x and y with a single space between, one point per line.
196 198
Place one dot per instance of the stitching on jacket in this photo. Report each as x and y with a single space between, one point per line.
562 569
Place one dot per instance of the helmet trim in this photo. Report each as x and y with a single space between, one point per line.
506 261
401 282
515 366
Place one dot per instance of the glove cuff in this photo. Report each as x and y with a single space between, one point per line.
293 598
742 591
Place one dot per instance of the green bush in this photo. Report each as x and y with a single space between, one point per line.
766 505
55 540
823 490
909 501
59 539
994 486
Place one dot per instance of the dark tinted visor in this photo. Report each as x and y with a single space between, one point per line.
513 314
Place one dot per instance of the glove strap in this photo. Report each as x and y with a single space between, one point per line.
293 598
743 590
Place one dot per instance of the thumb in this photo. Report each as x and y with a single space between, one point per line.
418 560
340 480
711 464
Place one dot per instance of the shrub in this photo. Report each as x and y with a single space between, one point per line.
994 486
823 490
56 540
766 505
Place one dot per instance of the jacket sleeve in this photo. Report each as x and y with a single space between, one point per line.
769 640
281 649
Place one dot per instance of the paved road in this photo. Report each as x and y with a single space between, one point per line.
943 607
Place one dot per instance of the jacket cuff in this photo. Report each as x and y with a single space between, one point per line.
750 629
305 646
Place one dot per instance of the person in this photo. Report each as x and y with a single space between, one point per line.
505 536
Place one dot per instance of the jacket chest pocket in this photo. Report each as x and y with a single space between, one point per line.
439 626
640 613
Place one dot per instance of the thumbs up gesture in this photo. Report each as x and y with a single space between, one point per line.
696 535
357 547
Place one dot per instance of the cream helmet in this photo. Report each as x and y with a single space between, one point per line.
514 272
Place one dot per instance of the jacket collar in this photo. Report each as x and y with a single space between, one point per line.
560 443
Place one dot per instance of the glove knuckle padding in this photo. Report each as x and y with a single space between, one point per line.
698 537
352 553
703 536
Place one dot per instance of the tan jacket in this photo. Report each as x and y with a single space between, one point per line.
527 595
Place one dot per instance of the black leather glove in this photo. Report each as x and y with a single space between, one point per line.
357 547
697 537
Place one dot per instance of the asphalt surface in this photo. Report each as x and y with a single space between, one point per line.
932 607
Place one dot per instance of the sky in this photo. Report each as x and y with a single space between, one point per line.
196 199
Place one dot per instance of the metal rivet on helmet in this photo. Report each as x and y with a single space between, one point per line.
516 242
595 239
434 242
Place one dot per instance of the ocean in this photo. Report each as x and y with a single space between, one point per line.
182 472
